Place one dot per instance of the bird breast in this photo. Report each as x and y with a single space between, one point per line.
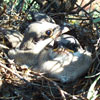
65 67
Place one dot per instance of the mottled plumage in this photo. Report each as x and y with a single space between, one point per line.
66 60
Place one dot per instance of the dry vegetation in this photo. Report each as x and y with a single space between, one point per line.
17 83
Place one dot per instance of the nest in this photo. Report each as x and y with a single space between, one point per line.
17 82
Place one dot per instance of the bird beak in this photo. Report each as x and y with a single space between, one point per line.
64 29
59 31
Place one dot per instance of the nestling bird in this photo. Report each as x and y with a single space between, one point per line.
30 49
13 37
66 61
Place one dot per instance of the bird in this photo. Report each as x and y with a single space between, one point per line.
38 30
30 48
13 37
66 60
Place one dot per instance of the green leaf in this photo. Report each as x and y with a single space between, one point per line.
96 20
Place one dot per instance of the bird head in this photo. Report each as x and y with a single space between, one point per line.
41 30
67 42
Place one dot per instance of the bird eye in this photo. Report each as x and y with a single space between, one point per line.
48 32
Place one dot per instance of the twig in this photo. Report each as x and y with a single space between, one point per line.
78 19
93 75
88 15
56 14
85 6
4 9
13 5
83 10
58 87
22 6
10 98
16 74
50 90
45 96
3 47
49 6
62 92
